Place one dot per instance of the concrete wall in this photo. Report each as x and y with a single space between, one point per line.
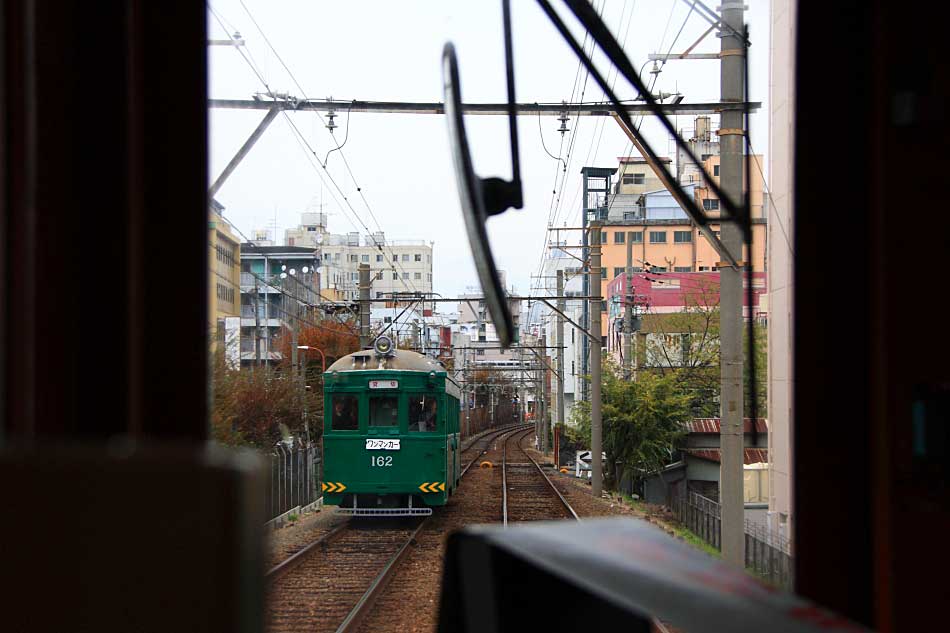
780 285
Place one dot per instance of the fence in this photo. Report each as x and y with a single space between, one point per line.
766 553
293 478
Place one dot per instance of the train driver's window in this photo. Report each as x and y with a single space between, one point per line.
345 412
422 413
384 411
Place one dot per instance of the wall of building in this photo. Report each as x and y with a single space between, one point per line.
780 217
224 280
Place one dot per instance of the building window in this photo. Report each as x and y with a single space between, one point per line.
364 259
379 295
395 257
405 275
657 269
379 275
636 237
395 276
715 170
572 336
657 237
573 366
405 257
418 276
480 352
379 258
603 272
634 179
429 276
710 204
354 259
704 157
618 237
682 269
618 270
682 237
603 306
603 237
417 257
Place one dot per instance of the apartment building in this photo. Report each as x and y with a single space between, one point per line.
396 266
279 289
224 289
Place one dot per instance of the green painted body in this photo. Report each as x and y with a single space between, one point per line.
428 458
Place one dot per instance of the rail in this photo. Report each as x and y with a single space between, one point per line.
544 477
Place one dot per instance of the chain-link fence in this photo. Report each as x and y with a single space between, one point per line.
293 477
766 553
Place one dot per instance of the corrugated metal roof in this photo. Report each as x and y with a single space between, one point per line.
750 455
711 425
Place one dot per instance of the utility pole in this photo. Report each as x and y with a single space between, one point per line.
732 70
543 354
559 331
628 310
365 342
295 325
596 430
257 324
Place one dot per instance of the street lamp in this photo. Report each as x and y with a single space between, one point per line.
323 358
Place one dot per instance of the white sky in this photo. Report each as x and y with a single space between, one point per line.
391 51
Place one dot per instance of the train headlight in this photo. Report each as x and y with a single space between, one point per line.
383 346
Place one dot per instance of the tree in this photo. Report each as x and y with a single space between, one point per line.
643 421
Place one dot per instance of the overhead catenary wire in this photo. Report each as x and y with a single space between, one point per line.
338 147
303 139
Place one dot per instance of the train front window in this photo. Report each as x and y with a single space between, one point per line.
423 410
384 411
345 413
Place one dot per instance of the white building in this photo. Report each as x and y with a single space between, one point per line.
396 266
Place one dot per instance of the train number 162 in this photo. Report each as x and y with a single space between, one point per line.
381 460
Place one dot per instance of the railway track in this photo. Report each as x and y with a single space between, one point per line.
527 493
332 583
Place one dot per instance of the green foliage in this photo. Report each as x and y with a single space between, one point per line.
292 518
642 420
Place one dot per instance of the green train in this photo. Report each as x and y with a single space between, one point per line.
391 433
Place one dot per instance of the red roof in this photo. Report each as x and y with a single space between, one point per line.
751 455
711 425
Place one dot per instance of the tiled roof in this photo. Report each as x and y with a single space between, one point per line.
711 425
751 455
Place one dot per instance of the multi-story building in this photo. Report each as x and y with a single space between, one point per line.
664 238
224 290
281 285
396 266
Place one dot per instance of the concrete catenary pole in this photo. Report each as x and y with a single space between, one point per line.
730 298
559 331
628 311
542 356
365 341
596 430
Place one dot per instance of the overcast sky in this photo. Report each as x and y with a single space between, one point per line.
391 51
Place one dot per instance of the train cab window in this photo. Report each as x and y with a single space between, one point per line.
423 409
384 411
345 413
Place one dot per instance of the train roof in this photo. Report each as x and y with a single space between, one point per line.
401 360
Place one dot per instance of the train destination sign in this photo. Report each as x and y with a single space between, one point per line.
382 445
384 384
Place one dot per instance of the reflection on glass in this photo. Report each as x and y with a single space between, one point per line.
423 409
384 411
345 413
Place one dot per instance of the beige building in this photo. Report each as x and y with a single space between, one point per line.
224 282
780 264
395 265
